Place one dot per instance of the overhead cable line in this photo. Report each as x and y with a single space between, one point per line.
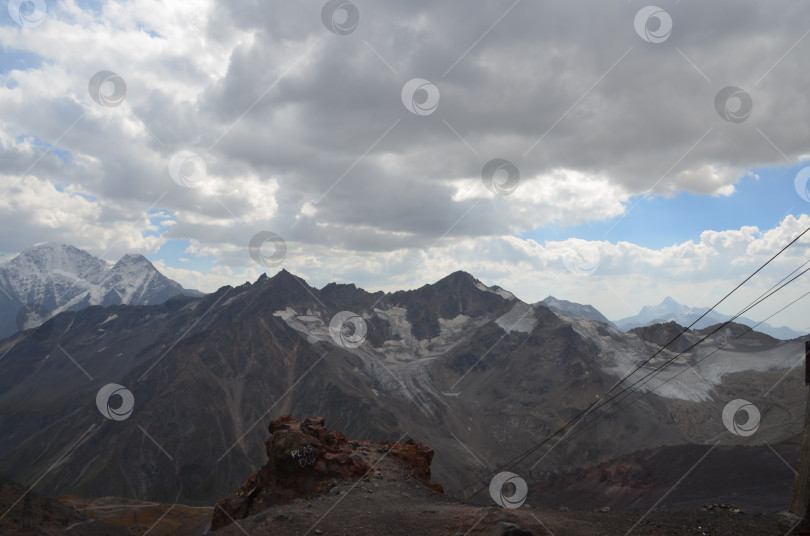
749 329
770 292
595 404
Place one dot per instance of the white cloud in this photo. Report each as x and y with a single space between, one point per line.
624 277
39 212
207 282
304 134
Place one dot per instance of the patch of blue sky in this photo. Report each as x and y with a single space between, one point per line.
159 222
95 6
88 197
14 59
173 254
61 188
27 10
148 31
762 198
61 154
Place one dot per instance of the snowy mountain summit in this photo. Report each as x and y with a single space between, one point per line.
669 310
46 279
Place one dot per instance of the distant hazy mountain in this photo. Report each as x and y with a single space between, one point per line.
577 310
670 310
46 279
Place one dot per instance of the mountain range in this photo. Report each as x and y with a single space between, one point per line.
46 279
670 310
577 310
468 369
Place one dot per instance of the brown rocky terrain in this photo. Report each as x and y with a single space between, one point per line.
135 517
497 378
305 460
756 480
23 511
317 482
399 511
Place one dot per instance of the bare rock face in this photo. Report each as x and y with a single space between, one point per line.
418 457
305 459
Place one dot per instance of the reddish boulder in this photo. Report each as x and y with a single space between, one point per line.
306 459
418 458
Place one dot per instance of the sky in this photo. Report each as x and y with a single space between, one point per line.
610 153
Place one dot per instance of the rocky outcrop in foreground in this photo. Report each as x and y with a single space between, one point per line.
304 459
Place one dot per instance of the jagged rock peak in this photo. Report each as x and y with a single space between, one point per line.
283 276
133 258
460 275
306 459
461 280
331 285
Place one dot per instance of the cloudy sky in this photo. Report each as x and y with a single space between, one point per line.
611 153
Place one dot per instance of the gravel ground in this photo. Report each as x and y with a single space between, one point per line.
390 502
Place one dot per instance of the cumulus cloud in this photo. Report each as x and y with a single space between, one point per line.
304 131
617 278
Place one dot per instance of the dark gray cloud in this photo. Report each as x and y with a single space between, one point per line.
276 103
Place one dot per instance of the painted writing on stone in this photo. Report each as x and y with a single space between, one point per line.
305 456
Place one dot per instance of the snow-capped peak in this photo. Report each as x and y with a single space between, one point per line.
58 277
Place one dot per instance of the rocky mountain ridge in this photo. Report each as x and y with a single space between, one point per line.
670 310
46 279
469 370
306 459
577 310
